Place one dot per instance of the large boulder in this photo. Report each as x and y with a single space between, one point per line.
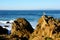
21 29
47 28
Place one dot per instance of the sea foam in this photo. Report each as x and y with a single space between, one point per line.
4 23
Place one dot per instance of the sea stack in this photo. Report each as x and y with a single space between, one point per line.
47 28
21 29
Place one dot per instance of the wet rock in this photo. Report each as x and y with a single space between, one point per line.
7 22
3 30
21 29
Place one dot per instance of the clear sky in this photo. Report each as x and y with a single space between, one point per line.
29 4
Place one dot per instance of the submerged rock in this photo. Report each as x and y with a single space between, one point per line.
6 26
21 29
7 22
46 29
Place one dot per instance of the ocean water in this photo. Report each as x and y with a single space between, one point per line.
31 15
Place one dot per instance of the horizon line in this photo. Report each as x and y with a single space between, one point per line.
31 9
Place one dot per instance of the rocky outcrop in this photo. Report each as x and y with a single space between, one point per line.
21 29
3 30
47 28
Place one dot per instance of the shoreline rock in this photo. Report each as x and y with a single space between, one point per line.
21 28
48 28
3 30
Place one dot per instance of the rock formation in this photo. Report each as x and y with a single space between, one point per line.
47 28
3 33
21 29
3 30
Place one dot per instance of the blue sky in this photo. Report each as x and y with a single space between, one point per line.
29 4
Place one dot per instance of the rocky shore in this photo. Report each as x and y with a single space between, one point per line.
48 28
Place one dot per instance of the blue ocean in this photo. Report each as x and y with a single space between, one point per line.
31 15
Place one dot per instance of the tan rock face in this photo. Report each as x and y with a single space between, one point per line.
47 27
21 28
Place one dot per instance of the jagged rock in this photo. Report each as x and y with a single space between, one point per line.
21 29
47 27
3 30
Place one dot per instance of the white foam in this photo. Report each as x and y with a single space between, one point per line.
33 23
11 21
4 23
